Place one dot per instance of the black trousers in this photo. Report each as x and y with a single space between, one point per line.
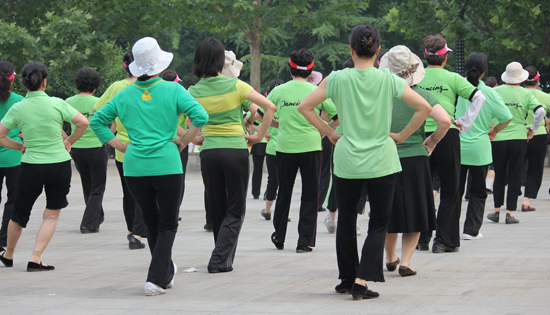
445 159
326 165
478 195
272 182
225 175
258 156
132 212
184 155
91 164
348 192
159 198
288 165
333 205
11 174
536 152
508 157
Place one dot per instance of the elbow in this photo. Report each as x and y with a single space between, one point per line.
445 123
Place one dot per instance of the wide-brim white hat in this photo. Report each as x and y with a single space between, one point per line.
149 59
232 67
514 73
401 61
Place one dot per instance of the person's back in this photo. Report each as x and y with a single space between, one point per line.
519 101
9 158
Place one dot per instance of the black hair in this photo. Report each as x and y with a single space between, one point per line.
144 77
379 58
87 80
491 81
33 74
432 44
475 65
365 40
168 75
6 70
532 73
209 58
349 63
272 85
127 59
301 57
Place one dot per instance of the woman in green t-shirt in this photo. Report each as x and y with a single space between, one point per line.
365 153
10 160
89 155
46 162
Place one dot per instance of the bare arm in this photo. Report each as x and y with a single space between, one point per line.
423 109
8 142
443 120
269 109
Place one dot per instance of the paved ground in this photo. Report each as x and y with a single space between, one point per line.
507 272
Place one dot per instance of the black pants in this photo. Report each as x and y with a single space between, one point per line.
326 165
92 165
132 212
272 182
159 198
184 155
478 195
225 176
333 206
287 167
348 193
508 157
11 174
536 152
445 159
258 156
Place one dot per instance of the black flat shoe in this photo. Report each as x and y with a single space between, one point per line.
406 271
84 230
32 267
343 287
393 265
208 228
303 249
423 246
360 292
280 246
266 215
5 261
134 243
441 248
212 270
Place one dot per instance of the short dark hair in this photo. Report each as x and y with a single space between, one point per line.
491 81
532 73
87 80
127 59
365 40
475 65
349 63
6 70
209 58
33 74
432 44
301 57
273 84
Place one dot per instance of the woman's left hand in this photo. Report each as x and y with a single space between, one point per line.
252 139
397 138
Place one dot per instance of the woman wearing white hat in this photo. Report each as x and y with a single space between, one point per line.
150 109
413 208
509 146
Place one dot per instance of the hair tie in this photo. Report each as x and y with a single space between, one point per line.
125 65
11 76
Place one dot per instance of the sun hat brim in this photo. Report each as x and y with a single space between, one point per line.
416 77
233 70
162 63
515 80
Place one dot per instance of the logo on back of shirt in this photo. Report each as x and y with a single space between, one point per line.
285 104
516 105
146 96
434 89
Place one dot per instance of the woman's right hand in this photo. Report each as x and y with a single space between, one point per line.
67 145
429 143
198 140
334 137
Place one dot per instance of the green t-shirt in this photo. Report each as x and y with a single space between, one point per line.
519 101
475 145
364 100
121 132
401 116
544 100
446 86
222 98
40 119
150 111
296 134
9 157
85 105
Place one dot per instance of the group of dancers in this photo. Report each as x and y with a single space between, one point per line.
385 124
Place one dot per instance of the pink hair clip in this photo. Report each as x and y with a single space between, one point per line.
11 76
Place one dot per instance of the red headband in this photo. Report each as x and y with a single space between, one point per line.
535 78
11 76
440 52
295 66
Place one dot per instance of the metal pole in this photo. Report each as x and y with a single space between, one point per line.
459 54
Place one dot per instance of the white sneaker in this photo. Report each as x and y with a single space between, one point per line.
153 289
358 231
171 284
469 237
331 229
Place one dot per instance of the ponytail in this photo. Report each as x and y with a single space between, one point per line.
475 66
6 70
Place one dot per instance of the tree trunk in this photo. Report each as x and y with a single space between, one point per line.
255 62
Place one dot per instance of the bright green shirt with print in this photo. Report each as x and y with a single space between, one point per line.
544 100
446 86
85 105
9 157
296 134
121 132
222 98
475 145
364 100
40 119
150 111
519 101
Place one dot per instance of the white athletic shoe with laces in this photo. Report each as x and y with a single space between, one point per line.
331 229
469 237
153 289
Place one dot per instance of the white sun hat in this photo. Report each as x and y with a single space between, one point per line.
149 59
232 67
402 62
514 73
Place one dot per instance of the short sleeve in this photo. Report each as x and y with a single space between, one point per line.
245 104
104 99
398 85
545 101
189 106
430 99
464 88
243 89
533 102
9 120
67 111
